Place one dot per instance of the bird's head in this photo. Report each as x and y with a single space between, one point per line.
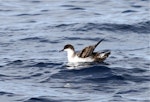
68 47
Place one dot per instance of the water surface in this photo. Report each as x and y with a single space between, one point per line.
33 31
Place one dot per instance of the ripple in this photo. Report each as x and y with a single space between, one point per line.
67 6
127 92
39 39
26 14
7 94
87 71
35 1
129 11
32 21
106 78
44 10
43 64
136 6
135 78
3 10
76 8
47 99
41 99
16 62
141 27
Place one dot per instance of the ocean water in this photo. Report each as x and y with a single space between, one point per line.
33 31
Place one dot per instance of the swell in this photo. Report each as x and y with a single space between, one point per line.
47 99
39 39
141 27
6 94
96 74
93 72
41 99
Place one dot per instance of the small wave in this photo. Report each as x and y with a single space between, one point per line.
26 14
44 10
6 93
2 75
138 70
37 75
72 7
90 70
5 44
32 38
41 99
16 62
141 27
48 99
106 78
129 11
135 78
77 38
67 6
136 6
39 39
40 64
129 91
102 74
35 1
3 10
34 75
17 29
29 63
132 74
137 49
65 25
31 21
43 64
76 8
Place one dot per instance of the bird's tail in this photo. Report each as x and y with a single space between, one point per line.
105 54
102 56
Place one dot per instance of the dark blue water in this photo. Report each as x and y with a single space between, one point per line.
33 31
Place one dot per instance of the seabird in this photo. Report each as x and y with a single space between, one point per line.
86 55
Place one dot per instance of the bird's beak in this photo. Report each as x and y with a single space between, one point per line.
61 50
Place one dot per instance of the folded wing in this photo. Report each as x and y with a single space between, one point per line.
88 51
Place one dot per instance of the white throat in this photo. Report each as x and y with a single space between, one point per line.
70 54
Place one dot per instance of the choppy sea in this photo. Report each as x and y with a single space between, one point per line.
33 31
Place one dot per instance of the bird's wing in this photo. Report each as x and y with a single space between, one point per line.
88 51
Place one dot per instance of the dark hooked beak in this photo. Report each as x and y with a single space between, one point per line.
61 50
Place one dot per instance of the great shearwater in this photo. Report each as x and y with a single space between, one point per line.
86 55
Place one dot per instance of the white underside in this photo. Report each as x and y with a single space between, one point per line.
78 59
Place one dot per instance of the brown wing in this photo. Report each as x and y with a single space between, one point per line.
88 51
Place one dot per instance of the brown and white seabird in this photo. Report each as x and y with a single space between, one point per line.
86 55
